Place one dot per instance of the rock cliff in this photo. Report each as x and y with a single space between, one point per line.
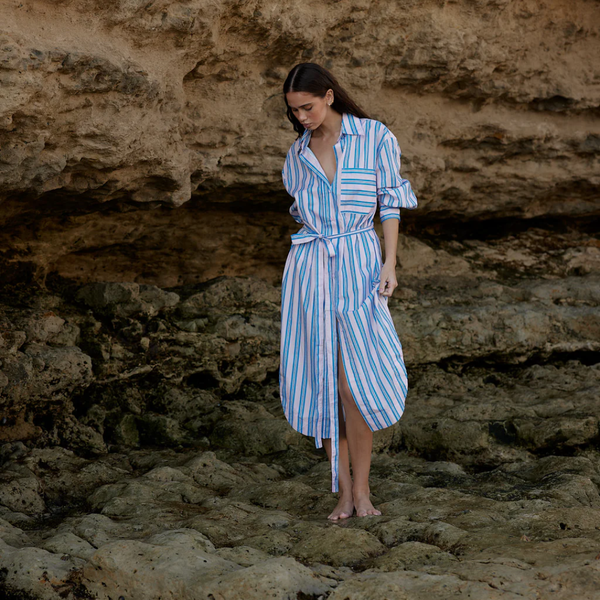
123 106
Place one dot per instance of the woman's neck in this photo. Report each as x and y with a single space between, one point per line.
330 127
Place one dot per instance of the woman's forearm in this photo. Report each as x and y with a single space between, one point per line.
390 237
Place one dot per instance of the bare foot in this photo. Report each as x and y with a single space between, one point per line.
363 504
344 508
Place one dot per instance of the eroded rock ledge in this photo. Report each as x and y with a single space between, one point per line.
111 109
158 103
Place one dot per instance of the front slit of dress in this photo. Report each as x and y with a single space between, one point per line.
329 385
333 389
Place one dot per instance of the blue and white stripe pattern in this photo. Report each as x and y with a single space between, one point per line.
330 286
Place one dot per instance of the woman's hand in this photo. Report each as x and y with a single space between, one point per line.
388 282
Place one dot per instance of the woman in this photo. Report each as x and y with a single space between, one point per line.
342 373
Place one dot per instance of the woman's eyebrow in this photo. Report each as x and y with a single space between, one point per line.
302 105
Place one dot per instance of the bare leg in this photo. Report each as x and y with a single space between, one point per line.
345 506
360 444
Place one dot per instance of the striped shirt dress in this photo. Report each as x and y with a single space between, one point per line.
330 284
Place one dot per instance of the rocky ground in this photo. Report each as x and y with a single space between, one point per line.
145 454
168 524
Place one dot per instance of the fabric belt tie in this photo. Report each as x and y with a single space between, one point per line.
325 354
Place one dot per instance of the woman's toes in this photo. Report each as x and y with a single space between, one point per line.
367 510
343 510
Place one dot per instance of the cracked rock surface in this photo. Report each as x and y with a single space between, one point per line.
189 524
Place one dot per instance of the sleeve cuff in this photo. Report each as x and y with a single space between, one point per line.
388 212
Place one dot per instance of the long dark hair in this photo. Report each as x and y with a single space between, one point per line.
316 80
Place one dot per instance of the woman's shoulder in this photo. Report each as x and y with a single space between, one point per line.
294 148
297 143
377 129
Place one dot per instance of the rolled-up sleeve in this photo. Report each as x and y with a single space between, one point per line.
393 192
287 175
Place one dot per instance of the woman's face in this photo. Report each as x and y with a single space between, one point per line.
308 109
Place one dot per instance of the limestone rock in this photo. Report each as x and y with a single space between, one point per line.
21 493
69 544
518 530
161 65
338 546
245 556
36 572
112 111
148 571
126 299
408 554
279 578
13 536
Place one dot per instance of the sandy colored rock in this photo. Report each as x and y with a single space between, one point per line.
69 544
36 571
411 584
512 531
21 493
279 578
176 90
13 536
410 553
147 570
338 546
114 115
245 556
207 470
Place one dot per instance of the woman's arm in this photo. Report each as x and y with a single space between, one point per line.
388 270
288 174
393 192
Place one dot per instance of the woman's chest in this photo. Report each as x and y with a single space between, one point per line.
344 176
325 154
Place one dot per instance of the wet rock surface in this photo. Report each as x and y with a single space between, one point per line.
528 529
164 465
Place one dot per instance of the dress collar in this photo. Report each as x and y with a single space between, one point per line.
351 125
